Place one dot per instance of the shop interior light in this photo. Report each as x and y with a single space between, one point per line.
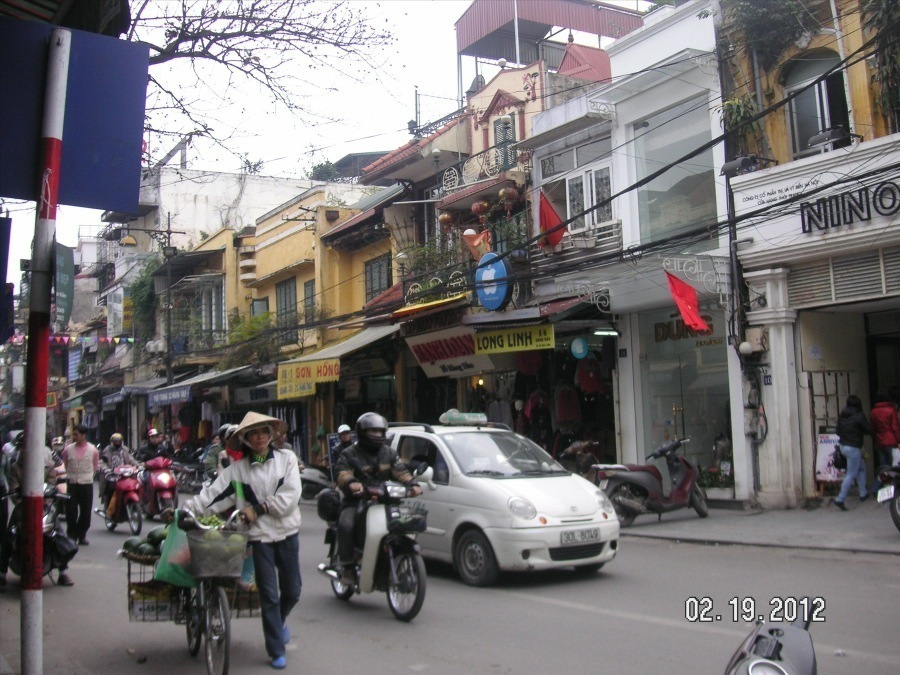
606 332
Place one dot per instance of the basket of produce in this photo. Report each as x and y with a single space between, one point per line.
216 552
144 551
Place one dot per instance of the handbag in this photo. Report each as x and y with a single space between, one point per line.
838 460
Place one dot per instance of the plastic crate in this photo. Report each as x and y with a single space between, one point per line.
150 600
217 557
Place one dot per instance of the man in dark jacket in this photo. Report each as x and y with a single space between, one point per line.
852 426
369 460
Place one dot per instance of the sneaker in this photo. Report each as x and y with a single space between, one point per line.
840 505
286 634
864 497
279 663
83 542
64 580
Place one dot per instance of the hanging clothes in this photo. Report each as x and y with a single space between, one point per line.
568 406
588 376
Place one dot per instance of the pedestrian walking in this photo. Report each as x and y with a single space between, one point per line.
82 460
264 484
886 433
852 427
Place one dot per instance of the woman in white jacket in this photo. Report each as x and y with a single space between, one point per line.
264 484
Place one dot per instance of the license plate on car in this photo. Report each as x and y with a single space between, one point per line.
885 493
575 537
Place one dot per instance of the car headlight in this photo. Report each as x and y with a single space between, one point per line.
521 508
603 501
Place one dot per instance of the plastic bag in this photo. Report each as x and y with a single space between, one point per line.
174 566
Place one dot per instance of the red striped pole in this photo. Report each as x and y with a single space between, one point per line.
42 264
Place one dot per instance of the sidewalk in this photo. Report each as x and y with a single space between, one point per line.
864 528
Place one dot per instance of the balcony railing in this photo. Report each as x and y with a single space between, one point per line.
484 166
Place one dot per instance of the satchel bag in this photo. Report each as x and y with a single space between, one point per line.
838 460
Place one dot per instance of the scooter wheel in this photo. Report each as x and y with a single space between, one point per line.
698 501
626 517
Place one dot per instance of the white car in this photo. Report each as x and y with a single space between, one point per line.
501 503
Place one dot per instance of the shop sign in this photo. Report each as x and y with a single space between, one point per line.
492 285
825 471
295 389
362 367
168 396
251 395
352 388
515 339
112 400
325 370
848 207
449 353
676 329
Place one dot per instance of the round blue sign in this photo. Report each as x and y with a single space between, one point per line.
492 284
579 348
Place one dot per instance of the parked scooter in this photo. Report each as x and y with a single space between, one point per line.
890 493
125 502
59 549
785 648
390 560
667 484
158 486
314 479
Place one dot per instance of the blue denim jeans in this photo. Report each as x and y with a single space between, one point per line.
277 569
856 472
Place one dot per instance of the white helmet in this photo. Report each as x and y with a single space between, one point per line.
343 429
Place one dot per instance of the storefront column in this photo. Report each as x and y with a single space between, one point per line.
780 454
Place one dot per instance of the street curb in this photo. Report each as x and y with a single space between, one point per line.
720 542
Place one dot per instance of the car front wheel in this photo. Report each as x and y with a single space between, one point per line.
474 559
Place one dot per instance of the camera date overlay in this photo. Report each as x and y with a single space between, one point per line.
787 609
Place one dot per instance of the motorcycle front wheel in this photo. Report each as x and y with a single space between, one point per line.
895 509
698 501
135 518
406 589
626 517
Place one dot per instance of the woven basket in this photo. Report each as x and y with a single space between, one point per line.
141 559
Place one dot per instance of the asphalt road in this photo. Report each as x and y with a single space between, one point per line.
629 618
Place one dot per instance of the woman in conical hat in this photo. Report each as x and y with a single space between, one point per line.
264 483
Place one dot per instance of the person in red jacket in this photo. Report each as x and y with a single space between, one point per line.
886 431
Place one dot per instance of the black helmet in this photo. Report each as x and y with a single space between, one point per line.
371 431
222 431
19 439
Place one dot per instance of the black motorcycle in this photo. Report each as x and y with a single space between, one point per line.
777 649
890 493
59 549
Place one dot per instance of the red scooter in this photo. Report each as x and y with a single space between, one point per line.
668 484
125 503
158 486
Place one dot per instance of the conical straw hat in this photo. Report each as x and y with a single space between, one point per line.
254 420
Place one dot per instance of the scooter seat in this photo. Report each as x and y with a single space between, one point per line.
646 468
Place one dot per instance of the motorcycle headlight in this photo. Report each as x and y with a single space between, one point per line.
396 490
521 508
603 501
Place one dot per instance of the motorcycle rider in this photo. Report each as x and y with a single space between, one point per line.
370 459
154 447
114 455
216 455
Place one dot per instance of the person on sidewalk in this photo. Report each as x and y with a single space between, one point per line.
82 460
886 432
852 427
264 483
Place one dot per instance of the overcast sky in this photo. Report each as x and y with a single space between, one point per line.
375 114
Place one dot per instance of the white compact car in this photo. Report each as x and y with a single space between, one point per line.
501 503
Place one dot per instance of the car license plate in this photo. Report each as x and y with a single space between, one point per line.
885 493
575 537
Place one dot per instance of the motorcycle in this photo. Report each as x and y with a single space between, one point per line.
189 474
314 479
125 501
59 549
890 493
778 648
390 559
667 484
158 486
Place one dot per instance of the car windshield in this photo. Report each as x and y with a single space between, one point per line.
501 455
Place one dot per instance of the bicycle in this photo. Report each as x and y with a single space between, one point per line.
206 609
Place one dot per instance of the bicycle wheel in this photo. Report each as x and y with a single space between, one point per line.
218 631
195 620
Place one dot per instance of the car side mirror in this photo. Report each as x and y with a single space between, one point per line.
425 474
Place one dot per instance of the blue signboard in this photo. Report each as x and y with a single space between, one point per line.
169 395
104 116
492 285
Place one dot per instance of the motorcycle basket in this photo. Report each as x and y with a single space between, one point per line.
217 555
405 518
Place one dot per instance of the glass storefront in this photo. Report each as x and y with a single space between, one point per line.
684 378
